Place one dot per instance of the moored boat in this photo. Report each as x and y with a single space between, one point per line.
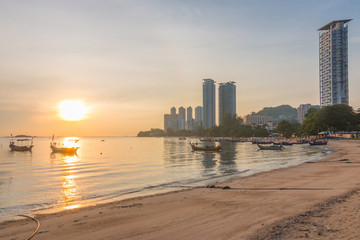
206 148
271 147
22 145
69 148
261 142
318 142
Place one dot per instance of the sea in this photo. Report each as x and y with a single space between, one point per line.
107 169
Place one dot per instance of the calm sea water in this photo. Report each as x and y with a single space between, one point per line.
123 167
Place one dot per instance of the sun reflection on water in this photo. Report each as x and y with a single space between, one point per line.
70 142
69 187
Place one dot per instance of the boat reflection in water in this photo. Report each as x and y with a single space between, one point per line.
69 187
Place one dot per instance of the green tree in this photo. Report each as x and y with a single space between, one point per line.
337 117
260 132
287 128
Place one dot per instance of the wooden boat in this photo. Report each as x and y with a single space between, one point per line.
271 147
262 142
287 143
318 142
65 150
206 148
61 148
22 145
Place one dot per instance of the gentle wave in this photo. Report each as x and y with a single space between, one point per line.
123 167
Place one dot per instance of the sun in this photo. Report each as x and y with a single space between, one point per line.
72 110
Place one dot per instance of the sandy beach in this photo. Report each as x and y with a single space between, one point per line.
316 200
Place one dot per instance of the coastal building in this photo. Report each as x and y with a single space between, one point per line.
302 110
227 99
181 120
171 121
209 103
199 116
333 63
255 120
189 119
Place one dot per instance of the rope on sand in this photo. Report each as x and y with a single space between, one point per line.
37 228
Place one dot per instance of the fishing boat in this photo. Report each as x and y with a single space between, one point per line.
318 142
22 145
271 147
68 148
261 142
206 148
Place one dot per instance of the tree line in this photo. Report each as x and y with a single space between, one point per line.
333 118
330 118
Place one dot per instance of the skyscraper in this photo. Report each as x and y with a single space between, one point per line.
209 103
171 121
333 63
181 118
189 118
199 120
227 99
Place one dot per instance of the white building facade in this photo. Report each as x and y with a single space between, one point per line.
254 119
302 110
333 63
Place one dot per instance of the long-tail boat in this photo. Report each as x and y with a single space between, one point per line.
271 147
206 148
22 145
318 142
58 147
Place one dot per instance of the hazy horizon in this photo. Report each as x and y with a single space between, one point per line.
129 62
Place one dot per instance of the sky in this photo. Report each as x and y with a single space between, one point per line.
129 62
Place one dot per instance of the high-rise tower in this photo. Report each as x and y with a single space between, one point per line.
199 116
189 118
227 99
181 118
209 103
333 63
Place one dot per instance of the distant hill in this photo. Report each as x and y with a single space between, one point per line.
280 112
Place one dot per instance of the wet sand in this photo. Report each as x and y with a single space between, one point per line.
279 204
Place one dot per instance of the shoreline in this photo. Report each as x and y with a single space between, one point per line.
210 168
251 204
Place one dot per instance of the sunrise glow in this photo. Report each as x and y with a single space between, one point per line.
72 110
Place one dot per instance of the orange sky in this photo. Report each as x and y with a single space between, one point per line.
131 61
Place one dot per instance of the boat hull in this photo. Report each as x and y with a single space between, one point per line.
64 150
317 143
273 147
217 148
21 148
